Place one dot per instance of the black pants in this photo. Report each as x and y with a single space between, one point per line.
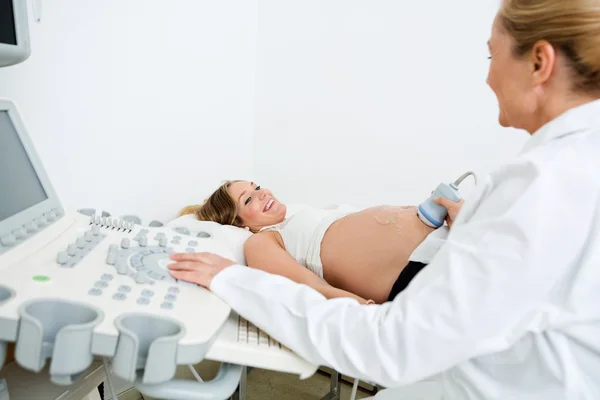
408 273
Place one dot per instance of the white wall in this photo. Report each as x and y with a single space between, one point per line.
139 105
374 102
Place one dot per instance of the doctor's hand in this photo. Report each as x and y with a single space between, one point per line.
198 268
452 207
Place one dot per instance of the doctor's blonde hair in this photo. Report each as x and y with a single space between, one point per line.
218 207
571 26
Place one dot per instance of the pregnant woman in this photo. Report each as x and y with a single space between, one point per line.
341 252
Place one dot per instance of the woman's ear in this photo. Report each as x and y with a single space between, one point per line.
544 62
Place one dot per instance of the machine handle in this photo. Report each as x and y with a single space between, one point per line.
220 388
3 346
3 386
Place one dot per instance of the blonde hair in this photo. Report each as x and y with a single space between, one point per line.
218 207
571 26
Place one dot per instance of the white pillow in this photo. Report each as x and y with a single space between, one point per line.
231 236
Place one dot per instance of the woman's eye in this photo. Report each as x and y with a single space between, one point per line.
257 188
248 200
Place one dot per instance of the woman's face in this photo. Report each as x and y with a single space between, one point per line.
511 80
257 207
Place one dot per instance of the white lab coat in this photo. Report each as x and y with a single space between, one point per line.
509 308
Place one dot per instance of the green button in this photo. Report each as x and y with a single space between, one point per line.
41 278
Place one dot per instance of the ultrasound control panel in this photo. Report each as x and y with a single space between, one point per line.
75 286
88 287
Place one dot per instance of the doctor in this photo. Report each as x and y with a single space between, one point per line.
510 306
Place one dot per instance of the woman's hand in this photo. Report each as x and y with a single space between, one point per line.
199 268
452 207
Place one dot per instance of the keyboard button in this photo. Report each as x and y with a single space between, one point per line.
119 296
182 230
88 212
111 258
71 249
20 233
8 240
252 335
122 266
141 277
62 257
124 288
31 227
263 338
50 216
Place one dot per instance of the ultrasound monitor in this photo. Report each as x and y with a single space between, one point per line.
28 202
14 32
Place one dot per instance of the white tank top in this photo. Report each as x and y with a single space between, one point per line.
303 232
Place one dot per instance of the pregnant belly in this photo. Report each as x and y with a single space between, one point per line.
364 252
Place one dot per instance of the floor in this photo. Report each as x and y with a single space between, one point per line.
269 385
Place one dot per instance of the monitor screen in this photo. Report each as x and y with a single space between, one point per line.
20 187
8 33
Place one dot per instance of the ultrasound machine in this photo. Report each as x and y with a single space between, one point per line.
77 288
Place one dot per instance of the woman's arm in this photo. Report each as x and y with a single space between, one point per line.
263 251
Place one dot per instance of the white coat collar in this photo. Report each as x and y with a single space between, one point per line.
574 120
